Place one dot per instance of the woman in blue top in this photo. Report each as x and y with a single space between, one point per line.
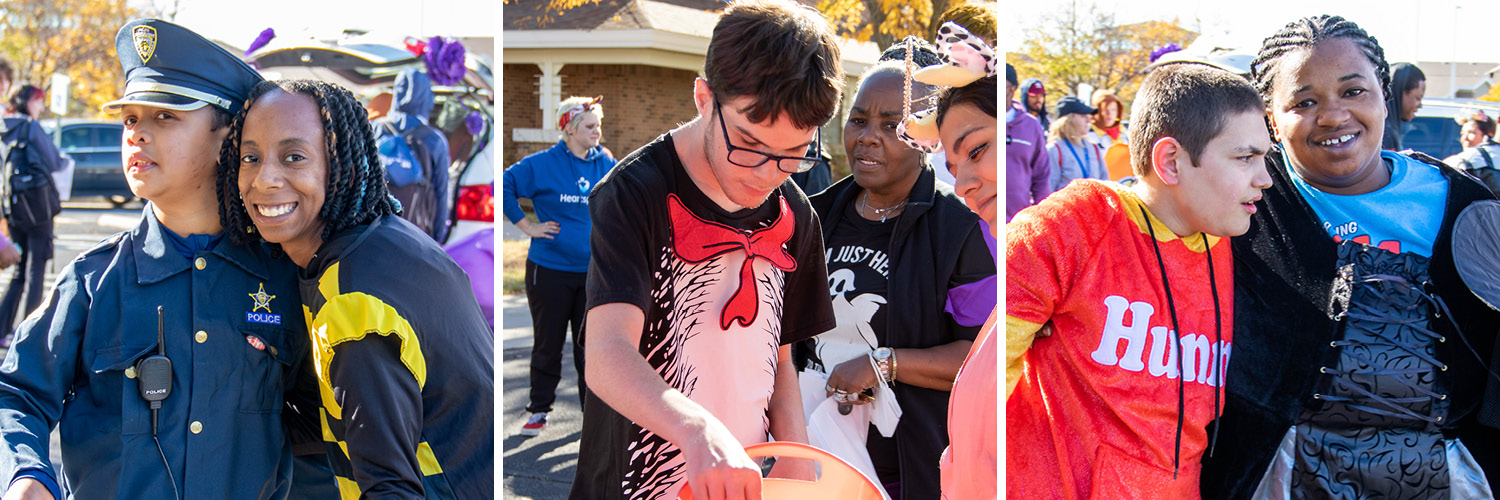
558 181
1073 155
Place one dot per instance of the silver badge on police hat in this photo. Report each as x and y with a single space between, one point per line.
145 42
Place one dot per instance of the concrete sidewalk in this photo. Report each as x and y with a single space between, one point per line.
539 467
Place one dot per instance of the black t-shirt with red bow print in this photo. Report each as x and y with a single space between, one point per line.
721 292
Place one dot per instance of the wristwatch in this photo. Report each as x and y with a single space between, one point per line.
885 361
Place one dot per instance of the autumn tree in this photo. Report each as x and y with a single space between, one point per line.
1072 47
73 37
881 21
884 21
1492 96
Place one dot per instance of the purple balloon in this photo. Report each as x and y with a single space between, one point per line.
444 58
260 41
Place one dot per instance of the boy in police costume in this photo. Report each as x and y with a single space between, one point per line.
228 314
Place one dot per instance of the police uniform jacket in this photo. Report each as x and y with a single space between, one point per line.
233 338
405 364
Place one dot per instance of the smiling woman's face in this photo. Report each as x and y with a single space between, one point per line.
1329 114
284 171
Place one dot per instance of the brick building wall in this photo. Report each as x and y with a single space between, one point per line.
640 102
518 102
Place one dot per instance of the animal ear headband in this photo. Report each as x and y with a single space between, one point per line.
567 116
966 58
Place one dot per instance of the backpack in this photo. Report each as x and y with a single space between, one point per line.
404 157
407 162
29 200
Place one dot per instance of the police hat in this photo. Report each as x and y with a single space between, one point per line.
169 66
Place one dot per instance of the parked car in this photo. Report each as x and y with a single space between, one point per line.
1434 130
95 147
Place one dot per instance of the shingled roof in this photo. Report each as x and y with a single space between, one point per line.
668 15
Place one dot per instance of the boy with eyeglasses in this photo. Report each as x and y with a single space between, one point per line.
707 263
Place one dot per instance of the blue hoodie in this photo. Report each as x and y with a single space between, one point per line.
558 185
413 104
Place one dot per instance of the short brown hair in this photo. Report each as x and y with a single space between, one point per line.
977 17
1187 102
782 54
6 72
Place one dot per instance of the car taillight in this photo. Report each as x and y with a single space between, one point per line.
476 203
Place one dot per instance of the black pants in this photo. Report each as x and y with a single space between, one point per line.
30 276
556 299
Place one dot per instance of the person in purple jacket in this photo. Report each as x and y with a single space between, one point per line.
558 181
1026 163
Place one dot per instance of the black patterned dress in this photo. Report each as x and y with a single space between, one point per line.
1372 430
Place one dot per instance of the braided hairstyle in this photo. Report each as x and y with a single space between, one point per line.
1304 34
357 191
923 53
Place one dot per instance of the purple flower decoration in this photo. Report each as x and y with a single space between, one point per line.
1164 50
445 60
261 41
474 122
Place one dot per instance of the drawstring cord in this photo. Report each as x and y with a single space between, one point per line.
1177 341
1219 366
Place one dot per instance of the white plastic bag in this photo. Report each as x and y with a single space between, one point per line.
841 435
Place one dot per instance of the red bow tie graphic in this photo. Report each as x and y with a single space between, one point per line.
696 240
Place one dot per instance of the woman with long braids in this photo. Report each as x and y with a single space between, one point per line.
403 356
1361 358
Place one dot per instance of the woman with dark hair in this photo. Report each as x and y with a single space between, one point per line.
966 119
1359 362
1408 85
403 356
905 256
33 158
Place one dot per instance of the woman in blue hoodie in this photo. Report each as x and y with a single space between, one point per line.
558 181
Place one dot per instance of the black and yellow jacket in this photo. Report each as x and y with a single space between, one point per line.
405 365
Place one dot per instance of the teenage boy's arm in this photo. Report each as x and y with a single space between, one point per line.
717 466
37 373
786 418
1044 248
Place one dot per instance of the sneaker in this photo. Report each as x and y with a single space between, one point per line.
534 424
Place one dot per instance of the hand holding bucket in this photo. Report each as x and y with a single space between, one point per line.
839 480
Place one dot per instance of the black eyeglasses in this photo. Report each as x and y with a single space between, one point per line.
750 158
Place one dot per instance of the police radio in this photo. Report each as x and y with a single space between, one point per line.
155 372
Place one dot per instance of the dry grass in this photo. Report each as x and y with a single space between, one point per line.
513 266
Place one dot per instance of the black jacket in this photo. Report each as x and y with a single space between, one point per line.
1283 273
937 244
